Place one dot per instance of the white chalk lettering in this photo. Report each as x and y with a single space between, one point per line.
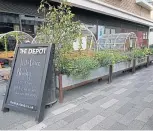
22 105
37 51
23 51
30 62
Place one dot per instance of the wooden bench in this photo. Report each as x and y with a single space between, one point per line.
7 56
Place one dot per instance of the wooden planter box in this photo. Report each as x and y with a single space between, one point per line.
65 82
150 58
122 66
68 81
141 61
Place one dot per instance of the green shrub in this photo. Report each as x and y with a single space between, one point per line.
129 55
80 67
147 51
138 53
120 57
110 57
105 58
151 51
63 66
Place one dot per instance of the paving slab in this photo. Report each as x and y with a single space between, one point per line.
29 124
109 103
150 88
136 125
126 108
93 100
93 122
149 98
75 115
148 125
134 94
63 109
120 91
145 115
130 116
108 122
85 118
53 119
39 126
118 126
56 125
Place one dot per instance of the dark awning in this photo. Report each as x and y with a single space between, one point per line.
19 8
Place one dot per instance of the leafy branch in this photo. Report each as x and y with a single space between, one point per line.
59 28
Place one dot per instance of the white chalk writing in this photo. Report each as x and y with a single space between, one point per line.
22 105
33 51
31 62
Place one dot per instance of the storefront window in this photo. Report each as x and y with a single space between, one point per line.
107 31
89 36
16 27
6 27
92 28
145 35
28 29
112 31
140 38
101 31
145 39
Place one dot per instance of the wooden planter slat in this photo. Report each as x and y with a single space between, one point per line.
141 61
150 58
97 73
122 66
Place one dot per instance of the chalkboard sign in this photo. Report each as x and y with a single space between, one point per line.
29 79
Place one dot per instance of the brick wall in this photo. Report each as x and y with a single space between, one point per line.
130 6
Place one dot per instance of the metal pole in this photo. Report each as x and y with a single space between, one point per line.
20 20
134 64
110 74
147 61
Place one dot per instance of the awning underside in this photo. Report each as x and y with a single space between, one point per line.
19 8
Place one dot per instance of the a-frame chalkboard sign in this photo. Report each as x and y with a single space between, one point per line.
29 79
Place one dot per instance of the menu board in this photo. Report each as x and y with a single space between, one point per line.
26 87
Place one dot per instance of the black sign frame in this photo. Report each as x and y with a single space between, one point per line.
39 113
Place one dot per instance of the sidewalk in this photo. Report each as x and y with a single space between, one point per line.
125 104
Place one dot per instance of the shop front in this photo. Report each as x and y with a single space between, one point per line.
101 25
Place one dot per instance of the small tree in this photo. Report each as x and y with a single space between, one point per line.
58 28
